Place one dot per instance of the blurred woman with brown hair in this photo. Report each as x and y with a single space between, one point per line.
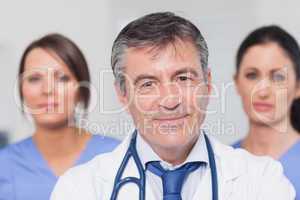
53 80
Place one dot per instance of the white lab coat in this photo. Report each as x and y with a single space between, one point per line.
241 176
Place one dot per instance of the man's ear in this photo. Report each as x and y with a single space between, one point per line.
122 95
208 76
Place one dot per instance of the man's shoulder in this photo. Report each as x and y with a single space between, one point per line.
259 175
94 167
243 160
229 151
84 181
100 166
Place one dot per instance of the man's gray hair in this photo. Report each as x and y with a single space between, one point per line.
155 30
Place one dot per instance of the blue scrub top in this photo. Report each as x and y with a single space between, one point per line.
290 162
25 175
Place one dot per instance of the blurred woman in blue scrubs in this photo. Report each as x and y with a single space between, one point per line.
268 80
53 80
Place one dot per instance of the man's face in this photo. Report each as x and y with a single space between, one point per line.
166 93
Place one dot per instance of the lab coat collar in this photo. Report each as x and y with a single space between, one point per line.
197 154
229 165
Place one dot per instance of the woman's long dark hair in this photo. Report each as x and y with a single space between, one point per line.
69 53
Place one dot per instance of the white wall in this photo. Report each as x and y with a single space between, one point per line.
22 21
94 24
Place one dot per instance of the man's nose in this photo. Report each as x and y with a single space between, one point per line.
170 96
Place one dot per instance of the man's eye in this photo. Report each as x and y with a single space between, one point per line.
251 75
147 84
184 78
146 87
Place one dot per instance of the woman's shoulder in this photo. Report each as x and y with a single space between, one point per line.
237 144
10 155
105 139
106 143
15 149
98 144
291 162
292 154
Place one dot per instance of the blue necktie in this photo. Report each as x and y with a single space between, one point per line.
172 180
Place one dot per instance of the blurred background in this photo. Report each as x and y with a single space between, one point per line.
93 25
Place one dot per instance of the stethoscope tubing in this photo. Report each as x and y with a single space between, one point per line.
141 182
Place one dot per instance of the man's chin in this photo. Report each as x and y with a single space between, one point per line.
169 132
172 137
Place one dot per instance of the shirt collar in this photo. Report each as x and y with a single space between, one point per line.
198 153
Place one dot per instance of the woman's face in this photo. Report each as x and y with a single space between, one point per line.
49 89
267 84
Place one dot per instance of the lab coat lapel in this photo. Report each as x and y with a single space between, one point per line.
131 190
109 171
228 170
204 188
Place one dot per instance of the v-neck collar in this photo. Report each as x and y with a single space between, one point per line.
294 149
41 162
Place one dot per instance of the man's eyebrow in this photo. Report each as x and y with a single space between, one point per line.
144 76
180 71
186 70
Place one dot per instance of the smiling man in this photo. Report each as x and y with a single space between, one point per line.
160 63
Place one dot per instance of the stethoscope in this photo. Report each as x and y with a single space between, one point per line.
141 182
